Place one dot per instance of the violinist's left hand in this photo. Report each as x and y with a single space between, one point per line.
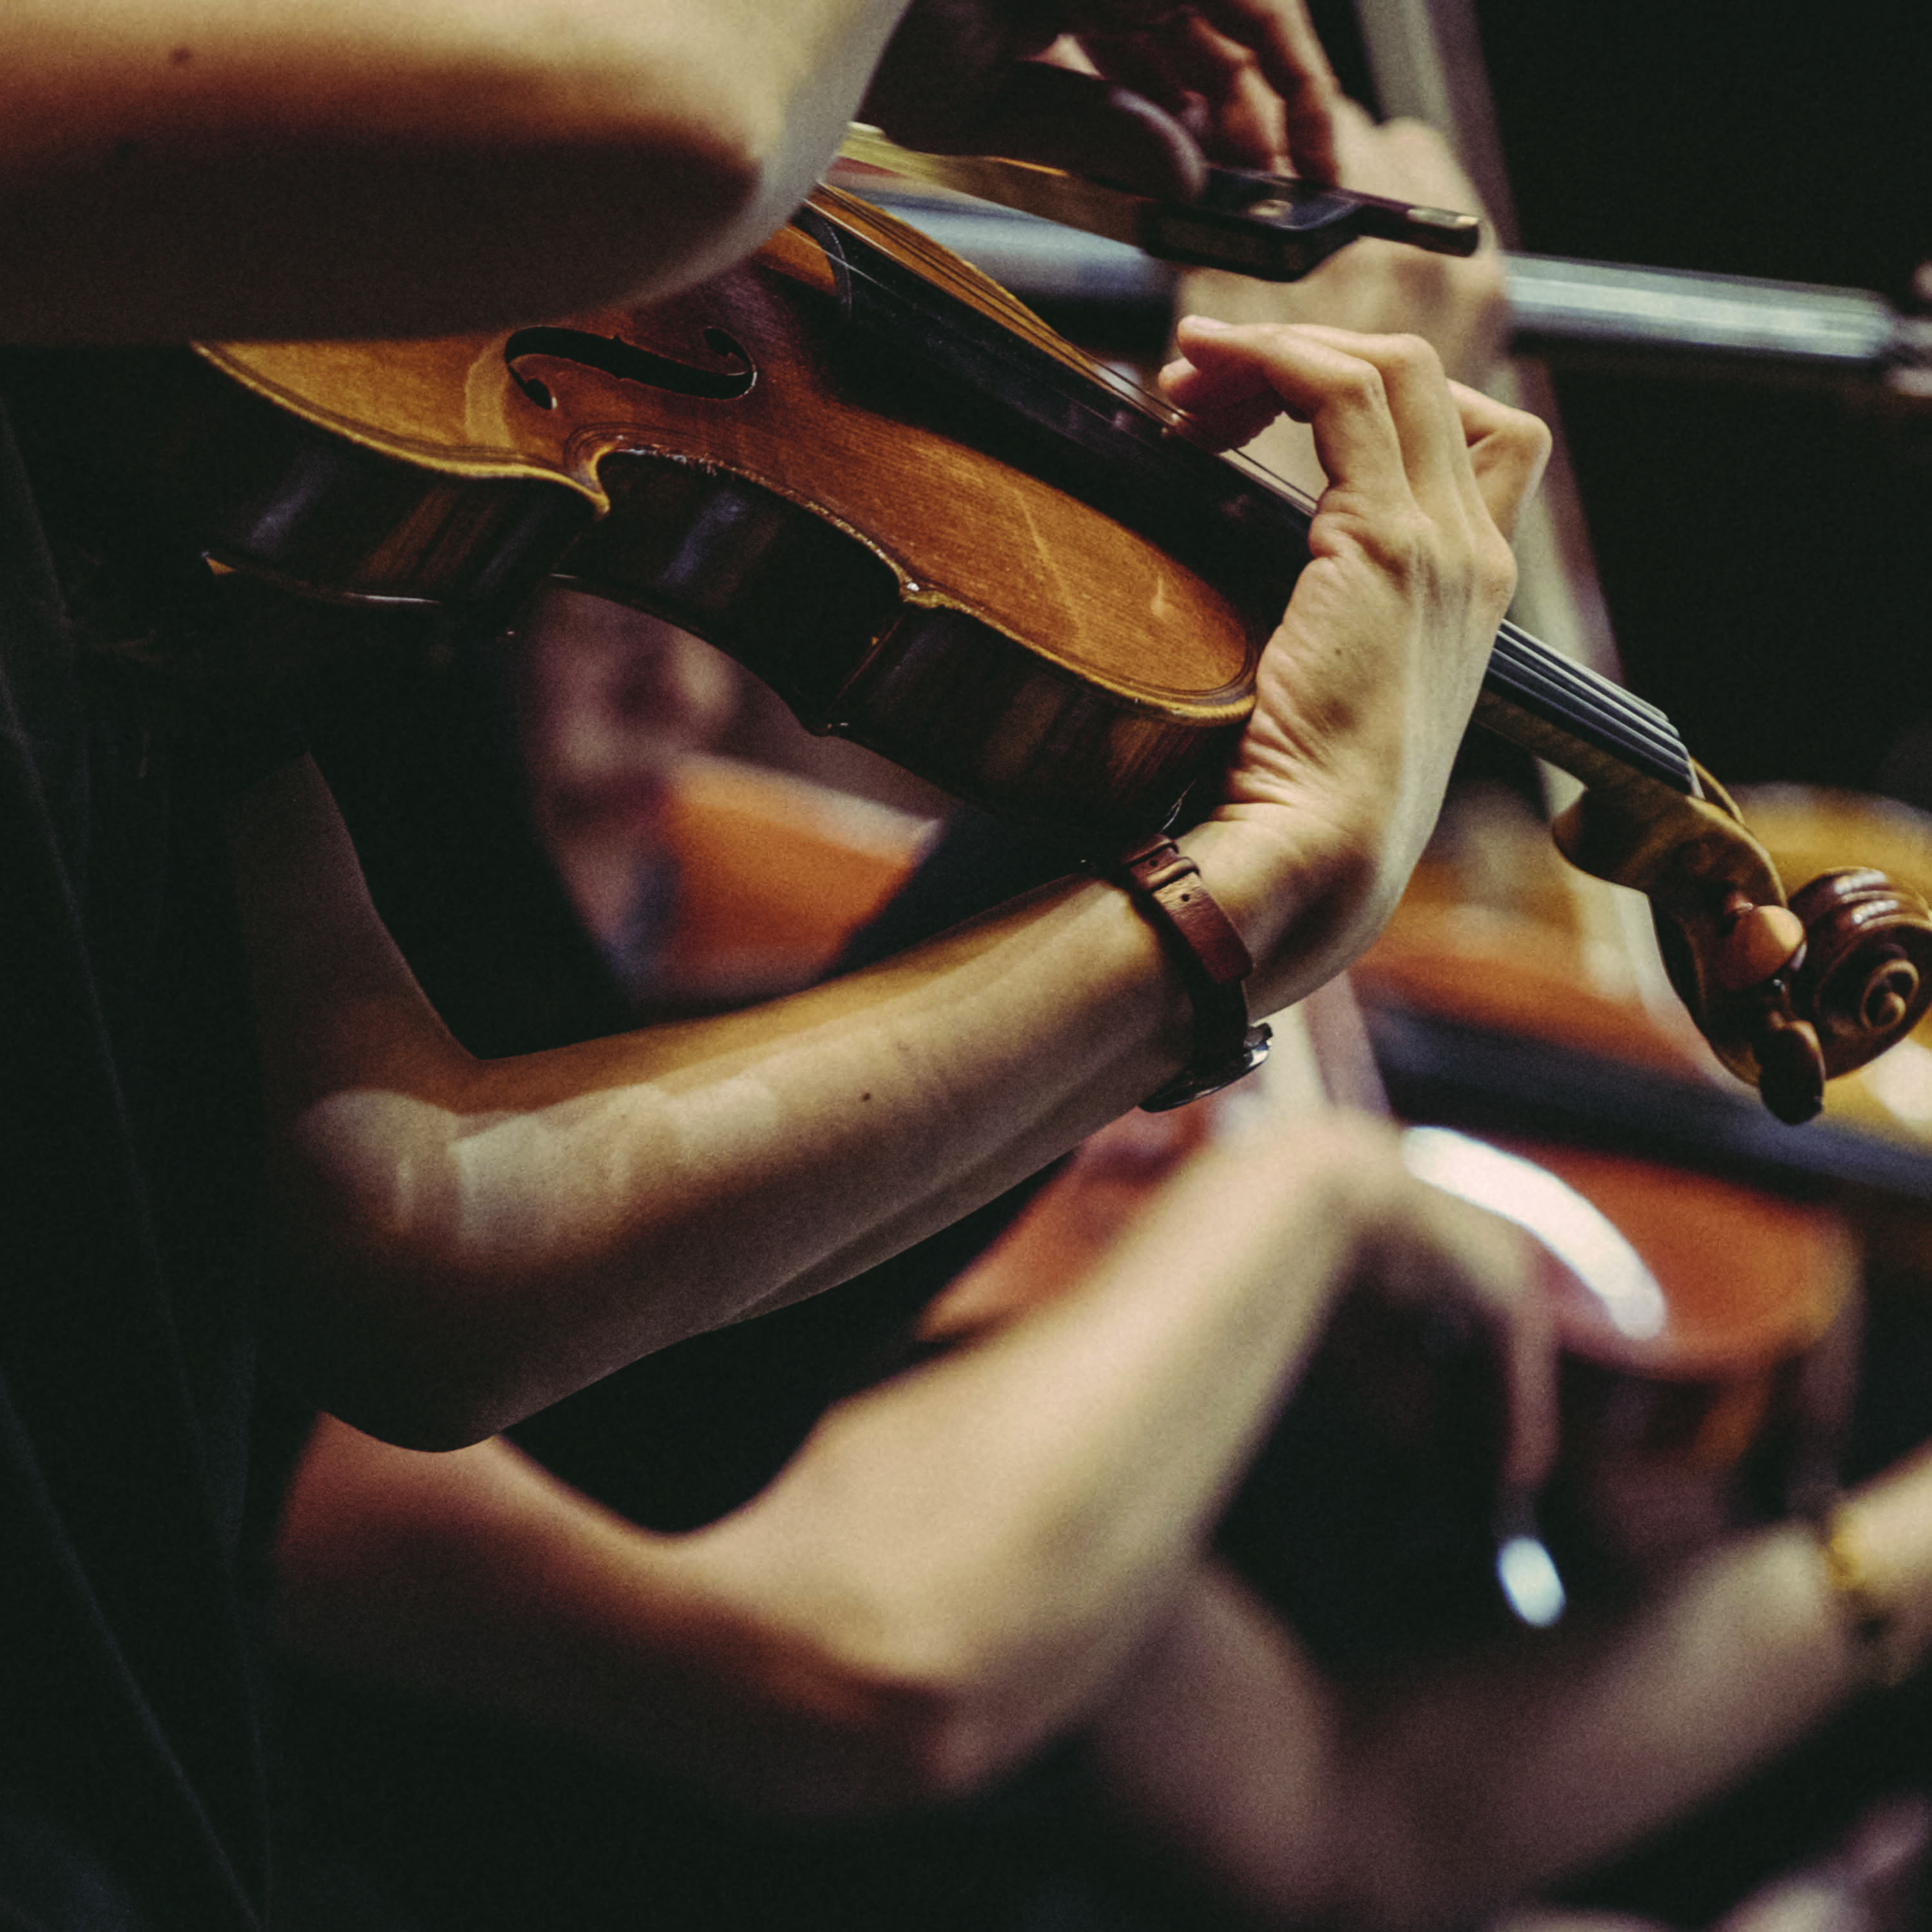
1366 687
1241 81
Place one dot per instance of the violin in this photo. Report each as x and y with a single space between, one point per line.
1707 1332
1709 1321
883 485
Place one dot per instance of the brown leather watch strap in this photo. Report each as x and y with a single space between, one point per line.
1167 889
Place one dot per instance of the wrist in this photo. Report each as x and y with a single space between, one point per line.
1212 963
1294 920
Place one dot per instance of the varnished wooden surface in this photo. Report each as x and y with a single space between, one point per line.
961 530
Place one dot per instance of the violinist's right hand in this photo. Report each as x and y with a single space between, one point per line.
1142 93
1367 688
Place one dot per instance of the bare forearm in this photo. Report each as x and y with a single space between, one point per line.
474 1239
1454 1794
478 1579
487 1237
207 167
998 1528
950 1572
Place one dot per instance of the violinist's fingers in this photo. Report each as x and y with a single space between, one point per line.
1213 85
1462 1256
1222 418
1456 445
1532 1368
1252 128
965 76
1508 449
1257 67
1455 440
1315 374
1289 55
1427 421
1247 120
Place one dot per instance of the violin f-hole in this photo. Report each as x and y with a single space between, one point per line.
615 357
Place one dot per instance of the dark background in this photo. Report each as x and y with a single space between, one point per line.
1764 553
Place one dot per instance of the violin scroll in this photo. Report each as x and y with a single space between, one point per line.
1856 982
1787 996
1865 979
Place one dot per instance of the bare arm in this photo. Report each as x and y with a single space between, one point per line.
467 1240
1434 1801
210 166
956 1563
285 168
1458 305
1004 1545
472 1239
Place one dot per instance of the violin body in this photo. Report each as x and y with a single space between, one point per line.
885 487
742 460
1722 1404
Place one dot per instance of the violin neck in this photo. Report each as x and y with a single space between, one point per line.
1577 719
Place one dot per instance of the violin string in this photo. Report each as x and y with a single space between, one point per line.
1603 708
1589 690
965 283
945 267
1572 690
1593 705
1575 692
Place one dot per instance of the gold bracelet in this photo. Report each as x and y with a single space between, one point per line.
1885 1661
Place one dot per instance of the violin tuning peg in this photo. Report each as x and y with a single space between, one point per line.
1790 1068
1759 942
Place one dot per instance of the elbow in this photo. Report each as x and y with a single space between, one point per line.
857 1702
419 1372
424 1418
640 212
736 127
943 1744
408 1398
396 1353
638 184
876 1748
385 1307
904 1727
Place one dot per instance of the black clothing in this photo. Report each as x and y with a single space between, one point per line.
458 1824
131 1783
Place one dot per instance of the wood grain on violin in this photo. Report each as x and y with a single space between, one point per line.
855 464
756 468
